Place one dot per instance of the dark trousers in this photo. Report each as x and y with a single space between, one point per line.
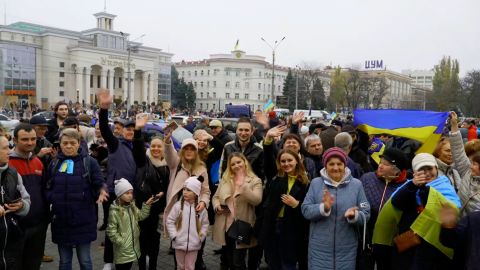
255 255
235 256
32 246
149 242
108 251
124 266
280 254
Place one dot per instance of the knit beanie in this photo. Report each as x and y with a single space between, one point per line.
122 186
193 184
334 152
423 159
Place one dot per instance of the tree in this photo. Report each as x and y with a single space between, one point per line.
289 90
470 93
318 95
183 94
446 85
337 90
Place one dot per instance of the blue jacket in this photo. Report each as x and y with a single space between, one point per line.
73 198
333 239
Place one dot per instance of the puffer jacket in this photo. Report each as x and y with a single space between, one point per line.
187 238
253 152
450 172
469 186
333 239
124 231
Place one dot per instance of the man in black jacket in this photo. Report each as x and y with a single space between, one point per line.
60 113
219 132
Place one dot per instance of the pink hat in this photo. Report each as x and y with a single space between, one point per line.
334 152
190 141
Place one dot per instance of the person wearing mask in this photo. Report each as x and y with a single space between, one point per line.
54 124
379 186
35 224
468 168
314 148
335 204
238 193
14 204
409 220
344 141
152 180
285 230
120 159
74 184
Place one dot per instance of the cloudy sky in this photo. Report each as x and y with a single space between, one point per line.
405 34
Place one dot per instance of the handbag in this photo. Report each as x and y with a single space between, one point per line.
406 241
241 231
365 258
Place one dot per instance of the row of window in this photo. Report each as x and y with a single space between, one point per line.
214 106
227 95
228 73
237 85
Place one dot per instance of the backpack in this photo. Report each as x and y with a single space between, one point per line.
86 176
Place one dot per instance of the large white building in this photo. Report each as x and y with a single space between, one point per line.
421 78
43 64
235 78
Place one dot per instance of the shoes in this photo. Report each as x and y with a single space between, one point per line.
217 251
103 227
108 266
47 258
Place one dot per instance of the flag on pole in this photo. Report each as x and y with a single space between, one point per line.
267 107
236 45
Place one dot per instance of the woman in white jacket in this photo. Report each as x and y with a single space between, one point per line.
186 227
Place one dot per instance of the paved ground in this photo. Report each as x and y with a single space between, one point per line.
165 261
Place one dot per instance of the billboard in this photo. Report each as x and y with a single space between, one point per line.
373 64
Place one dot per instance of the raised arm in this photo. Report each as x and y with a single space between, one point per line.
105 100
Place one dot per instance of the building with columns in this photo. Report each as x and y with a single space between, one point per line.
236 78
43 65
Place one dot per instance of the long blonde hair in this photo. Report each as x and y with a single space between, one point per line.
178 222
228 175
192 166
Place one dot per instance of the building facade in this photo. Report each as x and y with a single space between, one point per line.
43 65
421 78
235 78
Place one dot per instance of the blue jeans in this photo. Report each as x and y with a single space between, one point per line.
83 256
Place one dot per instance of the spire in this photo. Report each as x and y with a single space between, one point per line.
237 45
105 6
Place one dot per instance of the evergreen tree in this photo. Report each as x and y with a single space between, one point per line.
318 95
289 90
183 94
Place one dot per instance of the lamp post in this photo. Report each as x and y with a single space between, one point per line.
296 88
274 47
129 79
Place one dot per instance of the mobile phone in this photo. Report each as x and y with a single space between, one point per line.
170 127
15 201
157 198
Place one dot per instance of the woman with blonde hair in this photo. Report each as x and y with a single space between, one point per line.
239 191
444 157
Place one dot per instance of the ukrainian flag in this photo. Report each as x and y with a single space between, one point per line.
423 126
267 107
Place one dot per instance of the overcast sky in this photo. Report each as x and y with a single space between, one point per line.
405 34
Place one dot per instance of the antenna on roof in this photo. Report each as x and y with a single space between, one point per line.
105 6
5 14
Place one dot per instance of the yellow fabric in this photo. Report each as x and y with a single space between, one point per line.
291 181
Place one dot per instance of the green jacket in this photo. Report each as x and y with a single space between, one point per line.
124 231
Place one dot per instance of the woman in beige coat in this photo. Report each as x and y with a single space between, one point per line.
239 191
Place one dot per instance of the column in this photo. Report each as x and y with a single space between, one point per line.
150 88
125 85
88 72
79 83
144 88
103 79
111 74
132 89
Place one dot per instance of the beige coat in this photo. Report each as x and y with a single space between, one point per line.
176 183
241 204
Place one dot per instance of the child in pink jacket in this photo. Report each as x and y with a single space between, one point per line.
187 228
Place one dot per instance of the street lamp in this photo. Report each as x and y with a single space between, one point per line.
129 50
297 68
274 47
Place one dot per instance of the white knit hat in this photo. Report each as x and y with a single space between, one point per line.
122 186
193 184
422 160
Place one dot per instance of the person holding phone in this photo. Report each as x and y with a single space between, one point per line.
152 180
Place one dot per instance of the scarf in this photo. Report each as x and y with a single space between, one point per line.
156 161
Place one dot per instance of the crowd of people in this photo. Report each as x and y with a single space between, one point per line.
293 195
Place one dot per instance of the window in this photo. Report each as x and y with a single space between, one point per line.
201 84
237 85
237 73
201 73
215 72
61 93
214 94
247 74
227 84
98 81
119 82
208 94
195 73
208 84
227 73
246 96
201 94
195 84
279 88
62 64
259 74
183 73
237 95
268 96
259 86
201 105
208 72
61 74
214 84
259 96
61 84
91 81
227 95
247 85
268 87
189 74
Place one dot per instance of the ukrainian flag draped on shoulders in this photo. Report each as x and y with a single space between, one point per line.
423 126
427 225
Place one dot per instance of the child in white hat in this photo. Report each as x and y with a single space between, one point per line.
123 221
187 228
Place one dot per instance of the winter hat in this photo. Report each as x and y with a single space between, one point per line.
423 159
334 152
304 130
193 184
122 186
396 157
190 141
215 123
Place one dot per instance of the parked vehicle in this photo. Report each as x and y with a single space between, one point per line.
152 129
8 123
47 114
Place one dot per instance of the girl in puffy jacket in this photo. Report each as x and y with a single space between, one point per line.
186 227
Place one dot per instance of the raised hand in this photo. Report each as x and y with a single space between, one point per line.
141 120
104 98
298 117
276 132
448 216
328 200
419 179
168 137
262 119
454 121
350 213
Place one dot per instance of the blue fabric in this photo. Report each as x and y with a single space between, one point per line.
441 184
83 256
121 165
215 172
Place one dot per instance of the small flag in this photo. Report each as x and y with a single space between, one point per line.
236 45
267 107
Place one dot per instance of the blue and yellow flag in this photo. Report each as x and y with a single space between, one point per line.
267 107
423 126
